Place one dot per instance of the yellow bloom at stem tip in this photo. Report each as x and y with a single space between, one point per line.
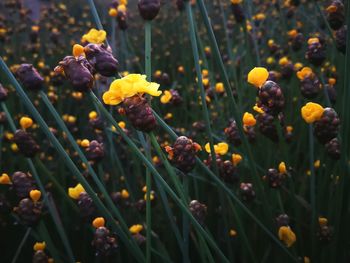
95 36
220 148
312 112
248 119
135 229
98 222
25 122
39 246
129 86
258 76
286 234
74 192
166 97
35 195
5 179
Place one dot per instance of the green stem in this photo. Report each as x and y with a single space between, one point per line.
20 246
312 189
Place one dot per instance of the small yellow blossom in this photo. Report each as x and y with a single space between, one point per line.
85 143
317 164
26 122
233 233
95 36
166 97
258 76
135 229
39 246
93 115
220 148
304 73
98 222
312 112
5 179
283 61
258 109
35 195
282 168
112 12
313 41
78 50
287 235
219 87
125 194
248 119
236 2
122 8
122 124
74 192
292 33
236 158
129 86
14 147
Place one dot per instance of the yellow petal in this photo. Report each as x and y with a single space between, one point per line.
258 76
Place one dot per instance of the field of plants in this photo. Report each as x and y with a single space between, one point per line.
174 131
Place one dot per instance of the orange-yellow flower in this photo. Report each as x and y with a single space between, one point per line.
248 119
312 112
129 86
258 76
5 179
74 192
304 73
39 246
78 50
95 36
25 122
287 235
98 222
220 148
35 195
236 158
135 229
166 97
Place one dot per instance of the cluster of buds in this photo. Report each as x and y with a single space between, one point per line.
287 67
121 198
130 91
22 183
326 126
149 8
335 14
296 39
95 151
310 86
232 134
325 232
104 242
29 210
183 153
85 203
274 177
238 11
316 51
198 210
247 192
29 77
26 143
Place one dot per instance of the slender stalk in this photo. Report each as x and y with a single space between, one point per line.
200 83
20 246
312 189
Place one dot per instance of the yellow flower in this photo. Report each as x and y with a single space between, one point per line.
129 86
292 33
236 158
95 36
39 246
304 73
233 233
219 87
112 12
98 222
258 76
26 122
220 148
258 109
5 179
248 119
125 194
35 195
85 143
78 50
236 2
312 112
123 2
166 97
282 168
74 192
93 115
283 61
122 8
313 41
135 229
287 235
